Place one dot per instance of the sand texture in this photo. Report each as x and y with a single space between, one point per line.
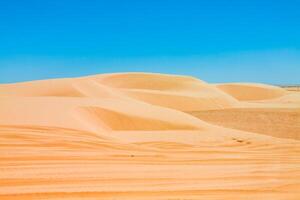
148 136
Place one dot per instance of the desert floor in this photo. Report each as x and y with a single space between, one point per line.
148 136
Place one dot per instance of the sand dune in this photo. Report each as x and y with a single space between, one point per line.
291 98
148 136
177 92
59 88
251 91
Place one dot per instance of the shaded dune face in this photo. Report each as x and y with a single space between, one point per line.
148 136
123 121
208 99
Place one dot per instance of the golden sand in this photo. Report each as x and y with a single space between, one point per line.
148 136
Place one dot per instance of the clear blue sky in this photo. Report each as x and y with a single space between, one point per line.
217 40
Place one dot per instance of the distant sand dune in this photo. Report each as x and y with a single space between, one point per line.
291 98
148 136
149 81
251 91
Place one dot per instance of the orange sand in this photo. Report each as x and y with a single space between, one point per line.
148 136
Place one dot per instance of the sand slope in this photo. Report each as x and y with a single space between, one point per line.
278 122
177 92
252 91
148 136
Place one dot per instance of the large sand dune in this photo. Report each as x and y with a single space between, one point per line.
148 136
